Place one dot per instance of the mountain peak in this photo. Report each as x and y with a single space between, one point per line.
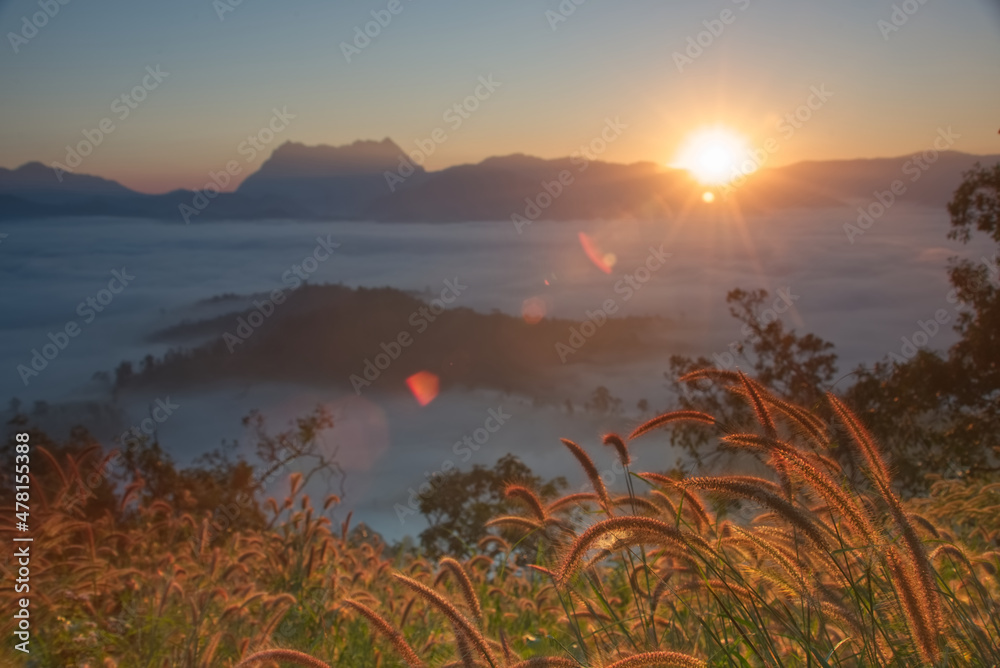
36 180
364 156
32 168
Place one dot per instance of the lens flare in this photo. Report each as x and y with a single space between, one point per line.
533 310
424 385
603 261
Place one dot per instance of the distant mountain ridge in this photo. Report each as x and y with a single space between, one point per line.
376 180
469 349
930 178
35 182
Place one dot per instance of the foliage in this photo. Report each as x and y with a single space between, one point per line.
816 561
941 413
800 368
468 349
215 481
602 402
47 481
935 413
461 502
800 567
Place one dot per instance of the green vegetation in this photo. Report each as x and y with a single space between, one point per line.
932 413
810 535
798 567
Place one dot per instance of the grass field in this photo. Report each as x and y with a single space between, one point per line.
816 563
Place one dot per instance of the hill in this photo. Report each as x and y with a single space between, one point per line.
375 180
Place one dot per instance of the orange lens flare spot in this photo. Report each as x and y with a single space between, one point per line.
424 385
603 261
533 310
708 197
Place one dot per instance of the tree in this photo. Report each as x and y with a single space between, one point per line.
797 368
461 502
123 373
300 444
941 413
976 203
93 497
219 486
214 482
602 402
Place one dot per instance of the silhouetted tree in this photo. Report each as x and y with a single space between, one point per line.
461 502
939 413
602 402
797 368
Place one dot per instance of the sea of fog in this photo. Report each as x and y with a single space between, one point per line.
864 296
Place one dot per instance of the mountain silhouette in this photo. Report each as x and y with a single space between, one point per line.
329 181
376 180
35 182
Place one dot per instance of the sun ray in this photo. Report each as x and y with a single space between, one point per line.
713 155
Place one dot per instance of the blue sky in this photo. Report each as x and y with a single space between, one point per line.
891 91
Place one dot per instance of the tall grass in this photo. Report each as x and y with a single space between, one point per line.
801 566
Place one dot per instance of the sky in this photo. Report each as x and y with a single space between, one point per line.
560 70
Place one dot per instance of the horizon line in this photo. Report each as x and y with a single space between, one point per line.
663 166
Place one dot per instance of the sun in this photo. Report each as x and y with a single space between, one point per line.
713 155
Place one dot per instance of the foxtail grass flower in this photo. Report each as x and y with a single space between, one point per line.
668 418
588 467
389 631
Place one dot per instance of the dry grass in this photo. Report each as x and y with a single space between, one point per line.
799 568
